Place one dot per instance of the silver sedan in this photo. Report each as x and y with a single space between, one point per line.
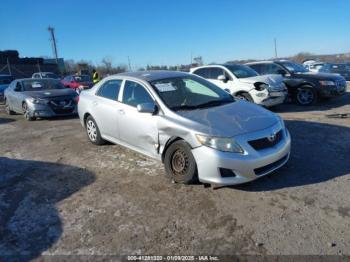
197 129
40 98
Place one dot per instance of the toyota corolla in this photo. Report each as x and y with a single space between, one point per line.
197 129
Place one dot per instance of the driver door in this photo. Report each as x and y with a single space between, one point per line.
214 73
138 130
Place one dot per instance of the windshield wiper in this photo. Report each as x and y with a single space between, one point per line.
183 107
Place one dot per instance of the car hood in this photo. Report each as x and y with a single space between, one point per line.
267 79
231 119
50 93
319 76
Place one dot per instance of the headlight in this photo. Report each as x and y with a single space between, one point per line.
220 143
327 83
37 101
261 86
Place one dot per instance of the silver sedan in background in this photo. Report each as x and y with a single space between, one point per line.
40 98
197 129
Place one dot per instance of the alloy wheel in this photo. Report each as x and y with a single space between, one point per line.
305 96
91 130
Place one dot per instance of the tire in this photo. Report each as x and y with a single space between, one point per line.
26 114
8 109
244 96
306 96
93 132
180 164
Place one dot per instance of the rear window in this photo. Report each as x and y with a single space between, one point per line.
82 78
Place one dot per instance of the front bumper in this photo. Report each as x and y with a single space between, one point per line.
246 167
269 98
332 91
45 111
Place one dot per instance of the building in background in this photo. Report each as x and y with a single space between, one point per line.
21 67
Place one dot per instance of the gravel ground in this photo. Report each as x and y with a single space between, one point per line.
59 194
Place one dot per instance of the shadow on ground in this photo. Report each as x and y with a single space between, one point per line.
320 152
6 120
322 105
29 191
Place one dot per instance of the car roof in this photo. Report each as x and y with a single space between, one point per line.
153 75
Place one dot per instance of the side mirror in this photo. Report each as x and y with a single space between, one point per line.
150 108
222 78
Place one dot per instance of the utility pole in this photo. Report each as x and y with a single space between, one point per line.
9 66
275 40
129 63
53 40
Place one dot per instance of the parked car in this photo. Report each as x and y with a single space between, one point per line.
5 81
78 82
245 83
339 68
303 86
194 127
45 75
40 98
313 66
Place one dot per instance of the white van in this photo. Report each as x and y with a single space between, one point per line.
244 83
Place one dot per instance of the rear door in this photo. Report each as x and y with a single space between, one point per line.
105 108
138 130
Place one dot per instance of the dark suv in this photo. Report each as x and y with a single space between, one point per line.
340 68
303 86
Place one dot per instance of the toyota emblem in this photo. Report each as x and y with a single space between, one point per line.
272 137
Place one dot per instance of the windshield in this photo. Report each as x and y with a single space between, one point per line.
82 78
49 75
190 92
294 68
241 71
41 84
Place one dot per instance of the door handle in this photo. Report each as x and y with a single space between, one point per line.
121 111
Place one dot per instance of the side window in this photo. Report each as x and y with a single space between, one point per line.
274 69
18 87
214 72
110 89
135 94
258 68
203 72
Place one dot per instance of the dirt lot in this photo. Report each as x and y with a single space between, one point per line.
59 194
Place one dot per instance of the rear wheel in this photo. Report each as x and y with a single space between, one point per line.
306 96
179 163
26 112
8 109
93 132
244 96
